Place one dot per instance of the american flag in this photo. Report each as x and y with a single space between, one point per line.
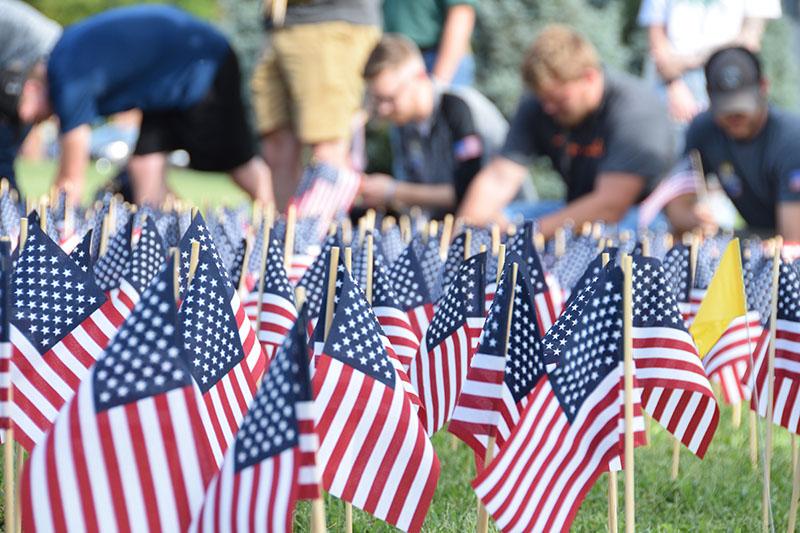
393 320
295 348
548 302
683 179
373 450
326 193
678 271
728 361
569 268
110 267
128 451
278 312
455 258
257 487
144 263
237 266
10 213
758 286
60 324
427 252
392 244
169 228
676 391
569 432
412 292
82 253
5 344
589 275
219 344
502 374
313 281
440 368
786 404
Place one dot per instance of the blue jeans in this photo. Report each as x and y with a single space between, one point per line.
536 210
464 75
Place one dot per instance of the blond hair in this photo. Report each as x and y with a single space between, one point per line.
559 53
392 51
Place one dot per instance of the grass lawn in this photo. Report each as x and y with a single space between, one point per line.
720 493
200 188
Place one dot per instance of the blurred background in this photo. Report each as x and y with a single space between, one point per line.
504 28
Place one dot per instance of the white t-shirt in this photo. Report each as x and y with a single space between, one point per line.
698 25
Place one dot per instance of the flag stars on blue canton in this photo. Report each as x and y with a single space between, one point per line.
354 336
275 280
463 299
653 302
51 294
210 331
111 266
147 257
270 425
313 280
525 366
788 308
82 253
588 358
143 359
561 331
678 272
409 282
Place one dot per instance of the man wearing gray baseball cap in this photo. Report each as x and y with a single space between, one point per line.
752 147
26 38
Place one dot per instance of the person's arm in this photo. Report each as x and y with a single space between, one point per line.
74 160
454 44
381 190
491 190
614 193
789 221
686 213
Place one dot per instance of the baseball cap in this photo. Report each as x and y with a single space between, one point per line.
733 81
12 78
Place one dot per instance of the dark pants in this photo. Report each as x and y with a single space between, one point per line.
11 137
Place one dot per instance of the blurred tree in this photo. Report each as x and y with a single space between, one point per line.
69 11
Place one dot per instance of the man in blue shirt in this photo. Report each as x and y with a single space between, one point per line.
753 149
178 70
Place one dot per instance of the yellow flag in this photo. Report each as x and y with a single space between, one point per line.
724 301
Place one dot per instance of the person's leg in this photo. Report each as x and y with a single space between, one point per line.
281 150
148 178
272 105
254 178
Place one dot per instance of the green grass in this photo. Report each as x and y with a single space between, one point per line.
200 188
720 493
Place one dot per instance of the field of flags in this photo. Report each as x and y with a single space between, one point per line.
242 370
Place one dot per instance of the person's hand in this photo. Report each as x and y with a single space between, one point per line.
704 218
377 190
682 105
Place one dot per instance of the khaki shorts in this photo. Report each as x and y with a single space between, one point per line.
311 79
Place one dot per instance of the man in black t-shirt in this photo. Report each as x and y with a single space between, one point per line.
606 133
752 148
442 136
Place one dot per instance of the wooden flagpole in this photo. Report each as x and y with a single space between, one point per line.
765 493
317 504
370 260
447 233
288 241
630 513
561 241
612 474
9 501
262 269
348 264
405 228
483 515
